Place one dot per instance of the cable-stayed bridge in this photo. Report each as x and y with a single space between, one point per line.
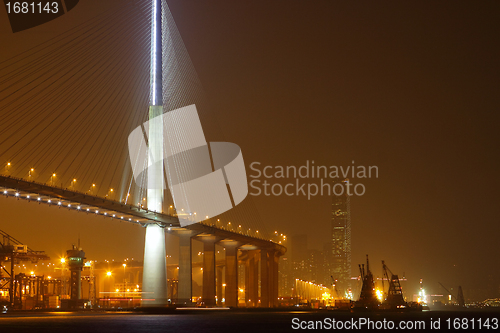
253 248
68 107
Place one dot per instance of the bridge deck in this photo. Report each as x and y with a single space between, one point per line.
108 207
40 192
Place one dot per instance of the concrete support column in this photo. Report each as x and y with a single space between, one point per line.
231 294
208 295
154 283
264 278
274 266
269 259
252 279
218 282
184 286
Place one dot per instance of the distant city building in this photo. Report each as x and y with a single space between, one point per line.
316 267
340 260
300 258
285 278
334 261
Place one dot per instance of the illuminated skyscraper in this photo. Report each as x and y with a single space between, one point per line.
340 255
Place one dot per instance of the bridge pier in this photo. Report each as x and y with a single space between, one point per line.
231 292
252 279
208 295
154 279
264 278
275 278
269 277
184 291
218 284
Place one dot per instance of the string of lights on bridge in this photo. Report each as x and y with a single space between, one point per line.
276 237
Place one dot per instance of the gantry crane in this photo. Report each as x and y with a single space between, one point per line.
394 298
13 251
460 297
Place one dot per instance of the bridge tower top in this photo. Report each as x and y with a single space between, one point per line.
155 132
156 98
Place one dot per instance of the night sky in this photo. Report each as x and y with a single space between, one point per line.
410 87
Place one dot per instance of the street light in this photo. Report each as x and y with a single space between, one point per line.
63 276
124 280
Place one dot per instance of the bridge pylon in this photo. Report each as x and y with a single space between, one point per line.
154 284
